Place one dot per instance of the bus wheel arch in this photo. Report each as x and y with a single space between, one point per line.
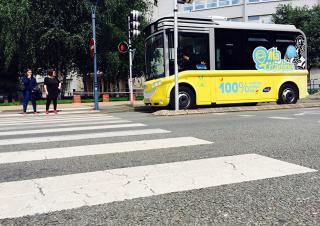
187 96
288 93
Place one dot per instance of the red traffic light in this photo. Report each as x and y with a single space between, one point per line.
123 47
92 46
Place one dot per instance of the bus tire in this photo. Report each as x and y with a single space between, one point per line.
288 94
187 98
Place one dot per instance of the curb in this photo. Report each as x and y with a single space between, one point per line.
235 109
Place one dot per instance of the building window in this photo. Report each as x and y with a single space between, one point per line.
188 7
200 4
239 19
207 4
212 3
224 3
254 19
155 2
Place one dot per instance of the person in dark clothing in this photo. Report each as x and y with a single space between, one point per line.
30 83
52 87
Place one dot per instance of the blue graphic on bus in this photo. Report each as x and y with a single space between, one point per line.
291 52
241 87
266 90
270 60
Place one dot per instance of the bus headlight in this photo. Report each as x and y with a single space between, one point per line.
155 84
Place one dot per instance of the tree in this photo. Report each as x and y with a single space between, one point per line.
306 19
43 33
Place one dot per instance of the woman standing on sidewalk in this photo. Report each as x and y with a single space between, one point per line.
52 87
30 83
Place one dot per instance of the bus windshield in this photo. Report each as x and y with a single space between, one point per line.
155 57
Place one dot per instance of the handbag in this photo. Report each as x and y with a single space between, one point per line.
36 92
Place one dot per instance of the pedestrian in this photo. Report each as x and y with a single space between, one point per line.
30 85
52 87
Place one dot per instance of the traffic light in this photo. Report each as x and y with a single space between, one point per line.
123 47
185 1
134 23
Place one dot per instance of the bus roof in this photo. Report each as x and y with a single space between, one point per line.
195 22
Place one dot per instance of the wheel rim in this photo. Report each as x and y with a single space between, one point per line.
288 95
184 100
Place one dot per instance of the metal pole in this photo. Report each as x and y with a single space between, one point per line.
176 55
130 64
95 83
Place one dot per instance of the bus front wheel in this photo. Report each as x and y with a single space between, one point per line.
288 94
187 98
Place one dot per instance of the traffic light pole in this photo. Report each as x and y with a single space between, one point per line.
176 55
130 64
95 83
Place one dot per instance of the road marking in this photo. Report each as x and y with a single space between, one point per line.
43 195
246 115
100 149
60 113
281 118
54 120
70 129
308 113
73 137
61 125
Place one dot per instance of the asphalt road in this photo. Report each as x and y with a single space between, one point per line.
291 136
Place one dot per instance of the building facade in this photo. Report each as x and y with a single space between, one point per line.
259 11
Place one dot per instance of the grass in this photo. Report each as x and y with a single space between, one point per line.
70 101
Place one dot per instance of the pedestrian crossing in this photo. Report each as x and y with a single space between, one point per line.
68 191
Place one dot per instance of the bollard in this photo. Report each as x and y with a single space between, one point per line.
76 99
105 97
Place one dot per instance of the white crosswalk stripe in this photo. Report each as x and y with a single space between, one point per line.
74 137
67 152
281 118
60 113
71 129
64 124
86 189
68 191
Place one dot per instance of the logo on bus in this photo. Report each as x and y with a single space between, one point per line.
270 59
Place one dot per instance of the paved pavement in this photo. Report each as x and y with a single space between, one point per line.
85 168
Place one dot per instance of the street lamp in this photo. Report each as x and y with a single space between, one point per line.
94 4
176 71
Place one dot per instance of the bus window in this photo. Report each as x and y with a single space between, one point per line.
292 48
253 40
193 52
228 49
155 57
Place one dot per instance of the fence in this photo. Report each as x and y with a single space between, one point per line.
313 86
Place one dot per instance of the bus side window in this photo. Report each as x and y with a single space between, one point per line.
228 49
283 41
255 39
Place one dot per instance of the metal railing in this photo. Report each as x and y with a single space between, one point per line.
313 86
136 92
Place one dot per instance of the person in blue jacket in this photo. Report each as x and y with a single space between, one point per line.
30 83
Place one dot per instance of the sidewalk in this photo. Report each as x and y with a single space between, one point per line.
116 105
309 102
125 106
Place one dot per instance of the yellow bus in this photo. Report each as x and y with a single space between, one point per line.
222 62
